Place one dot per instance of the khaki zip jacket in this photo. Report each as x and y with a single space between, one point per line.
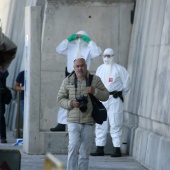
68 92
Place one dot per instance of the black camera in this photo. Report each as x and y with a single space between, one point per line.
83 103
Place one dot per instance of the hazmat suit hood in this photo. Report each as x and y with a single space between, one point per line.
108 52
79 40
82 33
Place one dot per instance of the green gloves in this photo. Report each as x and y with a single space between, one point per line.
85 38
72 37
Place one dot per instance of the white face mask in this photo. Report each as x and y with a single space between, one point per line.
79 41
107 60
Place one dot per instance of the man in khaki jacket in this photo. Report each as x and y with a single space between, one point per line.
73 96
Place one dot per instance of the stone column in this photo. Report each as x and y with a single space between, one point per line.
32 143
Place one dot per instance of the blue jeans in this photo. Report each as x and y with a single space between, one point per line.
22 109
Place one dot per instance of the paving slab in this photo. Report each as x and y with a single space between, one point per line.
36 162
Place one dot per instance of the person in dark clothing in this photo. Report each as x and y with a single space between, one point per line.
3 77
19 86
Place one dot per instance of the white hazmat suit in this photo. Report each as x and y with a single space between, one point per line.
72 51
115 78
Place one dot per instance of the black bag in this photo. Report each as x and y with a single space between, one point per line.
7 50
99 112
7 96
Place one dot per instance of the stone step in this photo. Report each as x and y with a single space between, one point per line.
57 143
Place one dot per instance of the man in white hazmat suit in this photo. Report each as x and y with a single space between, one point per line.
117 81
83 47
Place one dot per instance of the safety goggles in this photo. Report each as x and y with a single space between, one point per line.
108 56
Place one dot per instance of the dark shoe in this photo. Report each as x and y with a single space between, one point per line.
59 127
99 151
116 152
3 141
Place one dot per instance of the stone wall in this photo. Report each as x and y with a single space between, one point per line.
147 110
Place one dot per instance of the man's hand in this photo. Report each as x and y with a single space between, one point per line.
74 103
22 88
18 87
90 90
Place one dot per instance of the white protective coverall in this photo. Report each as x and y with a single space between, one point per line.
115 78
72 51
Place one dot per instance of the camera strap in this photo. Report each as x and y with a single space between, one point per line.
75 82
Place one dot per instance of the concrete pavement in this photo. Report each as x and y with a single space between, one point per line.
36 162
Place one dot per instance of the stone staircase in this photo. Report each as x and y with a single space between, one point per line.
57 143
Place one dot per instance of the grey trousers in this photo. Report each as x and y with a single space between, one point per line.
79 148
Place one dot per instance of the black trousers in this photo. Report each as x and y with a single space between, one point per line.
2 119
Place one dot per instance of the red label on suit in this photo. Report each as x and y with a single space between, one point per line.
110 79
